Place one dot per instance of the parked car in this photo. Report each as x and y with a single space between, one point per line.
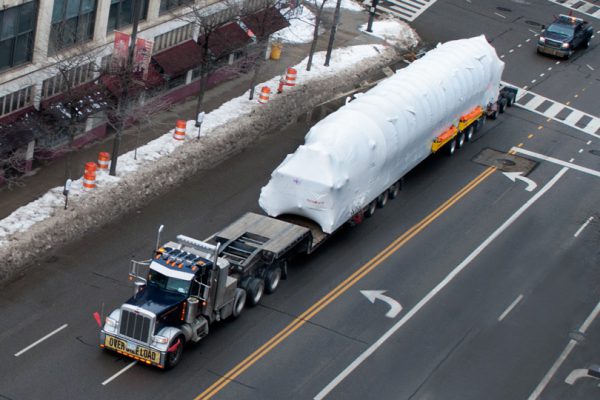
563 36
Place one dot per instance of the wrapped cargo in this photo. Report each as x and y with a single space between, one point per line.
356 153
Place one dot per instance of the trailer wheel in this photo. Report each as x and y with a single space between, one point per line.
382 199
451 147
469 133
272 280
173 357
394 190
239 300
510 99
480 123
460 140
502 105
256 288
371 209
494 114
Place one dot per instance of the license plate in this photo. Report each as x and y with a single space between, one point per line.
132 348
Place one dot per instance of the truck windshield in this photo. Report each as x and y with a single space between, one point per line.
168 283
559 29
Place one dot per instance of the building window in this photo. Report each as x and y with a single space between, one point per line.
121 13
166 5
71 79
172 38
72 23
17 27
16 100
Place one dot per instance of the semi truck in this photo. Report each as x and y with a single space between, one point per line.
352 163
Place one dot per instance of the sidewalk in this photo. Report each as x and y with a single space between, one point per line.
53 174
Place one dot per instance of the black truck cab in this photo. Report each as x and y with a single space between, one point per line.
563 36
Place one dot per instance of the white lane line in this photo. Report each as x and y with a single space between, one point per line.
533 81
542 74
41 340
109 380
549 68
500 15
557 161
589 66
511 50
563 356
589 142
532 31
583 226
509 308
571 160
528 40
519 45
580 151
423 302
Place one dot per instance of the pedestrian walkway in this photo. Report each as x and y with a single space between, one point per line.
559 112
52 175
407 10
584 7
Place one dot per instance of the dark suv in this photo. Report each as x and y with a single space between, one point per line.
564 35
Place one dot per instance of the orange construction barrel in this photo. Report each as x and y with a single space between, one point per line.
103 161
180 128
265 92
290 77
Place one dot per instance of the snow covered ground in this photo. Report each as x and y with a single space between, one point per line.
22 225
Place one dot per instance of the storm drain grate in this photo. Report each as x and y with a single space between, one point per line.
505 162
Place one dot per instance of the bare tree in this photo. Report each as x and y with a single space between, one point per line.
69 95
318 6
262 23
206 21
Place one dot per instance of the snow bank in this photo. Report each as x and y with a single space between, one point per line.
164 163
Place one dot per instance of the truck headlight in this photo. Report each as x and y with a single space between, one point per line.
565 45
542 40
160 339
110 322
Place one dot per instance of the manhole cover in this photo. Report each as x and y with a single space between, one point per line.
508 163
505 162
533 23
503 9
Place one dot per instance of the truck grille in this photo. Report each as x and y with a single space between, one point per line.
553 43
135 326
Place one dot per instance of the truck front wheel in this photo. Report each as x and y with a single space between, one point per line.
239 299
272 280
175 353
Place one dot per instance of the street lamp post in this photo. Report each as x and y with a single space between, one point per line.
372 11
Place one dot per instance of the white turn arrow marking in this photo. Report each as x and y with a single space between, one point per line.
373 295
513 176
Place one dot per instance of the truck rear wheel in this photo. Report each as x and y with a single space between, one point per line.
173 357
256 288
239 300
272 280
370 210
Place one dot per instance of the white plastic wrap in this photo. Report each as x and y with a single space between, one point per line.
357 152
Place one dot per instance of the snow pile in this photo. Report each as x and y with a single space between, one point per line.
346 4
165 163
393 32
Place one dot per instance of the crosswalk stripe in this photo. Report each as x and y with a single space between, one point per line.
583 6
407 10
591 128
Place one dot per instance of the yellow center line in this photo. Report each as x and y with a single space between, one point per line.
340 289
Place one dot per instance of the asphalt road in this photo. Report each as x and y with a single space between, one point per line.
493 286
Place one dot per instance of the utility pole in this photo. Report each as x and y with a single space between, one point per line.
336 22
122 102
372 11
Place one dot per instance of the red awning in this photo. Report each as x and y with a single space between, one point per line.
265 22
179 59
226 39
